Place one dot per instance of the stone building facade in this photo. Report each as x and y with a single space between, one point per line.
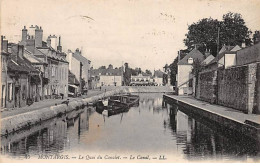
54 67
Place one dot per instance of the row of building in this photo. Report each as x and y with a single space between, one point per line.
34 70
231 79
116 77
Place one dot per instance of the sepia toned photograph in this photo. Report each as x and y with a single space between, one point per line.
130 81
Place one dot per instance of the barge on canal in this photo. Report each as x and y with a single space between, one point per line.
117 104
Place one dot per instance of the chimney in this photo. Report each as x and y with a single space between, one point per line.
53 39
48 41
4 44
243 45
179 58
38 36
24 33
2 39
59 47
196 46
207 53
20 51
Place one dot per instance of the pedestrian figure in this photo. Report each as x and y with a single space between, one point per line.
66 102
62 95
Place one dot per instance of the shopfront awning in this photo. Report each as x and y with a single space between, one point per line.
74 86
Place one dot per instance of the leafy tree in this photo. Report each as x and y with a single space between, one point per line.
204 33
256 37
110 66
148 72
139 70
234 31
127 75
166 67
133 72
102 67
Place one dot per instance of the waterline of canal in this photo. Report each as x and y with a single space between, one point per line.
153 129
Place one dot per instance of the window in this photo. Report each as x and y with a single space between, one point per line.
52 71
3 63
10 92
190 60
56 72
24 92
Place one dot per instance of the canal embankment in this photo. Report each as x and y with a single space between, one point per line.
22 120
246 124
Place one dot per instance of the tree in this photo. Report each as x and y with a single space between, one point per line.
110 66
102 67
148 72
234 31
127 75
204 33
133 72
139 71
256 37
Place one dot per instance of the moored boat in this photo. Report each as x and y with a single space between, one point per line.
117 104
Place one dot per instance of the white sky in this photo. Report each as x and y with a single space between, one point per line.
144 33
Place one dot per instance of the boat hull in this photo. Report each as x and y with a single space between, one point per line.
118 104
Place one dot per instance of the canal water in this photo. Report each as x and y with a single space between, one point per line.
153 130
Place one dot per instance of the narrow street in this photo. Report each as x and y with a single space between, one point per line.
46 103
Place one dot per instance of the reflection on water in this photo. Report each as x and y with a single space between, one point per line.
153 126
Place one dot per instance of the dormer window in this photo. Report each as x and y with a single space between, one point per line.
190 60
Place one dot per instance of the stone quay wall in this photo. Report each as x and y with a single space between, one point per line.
207 86
236 87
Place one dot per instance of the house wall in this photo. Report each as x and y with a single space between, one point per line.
230 60
85 73
23 88
63 78
256 108
75 68
221 62
184 72
158 80
106 80
3 79
9 101
18 91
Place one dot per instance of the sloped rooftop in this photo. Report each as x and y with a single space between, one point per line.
195 54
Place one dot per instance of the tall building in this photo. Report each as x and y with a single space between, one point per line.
52 61
79 65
